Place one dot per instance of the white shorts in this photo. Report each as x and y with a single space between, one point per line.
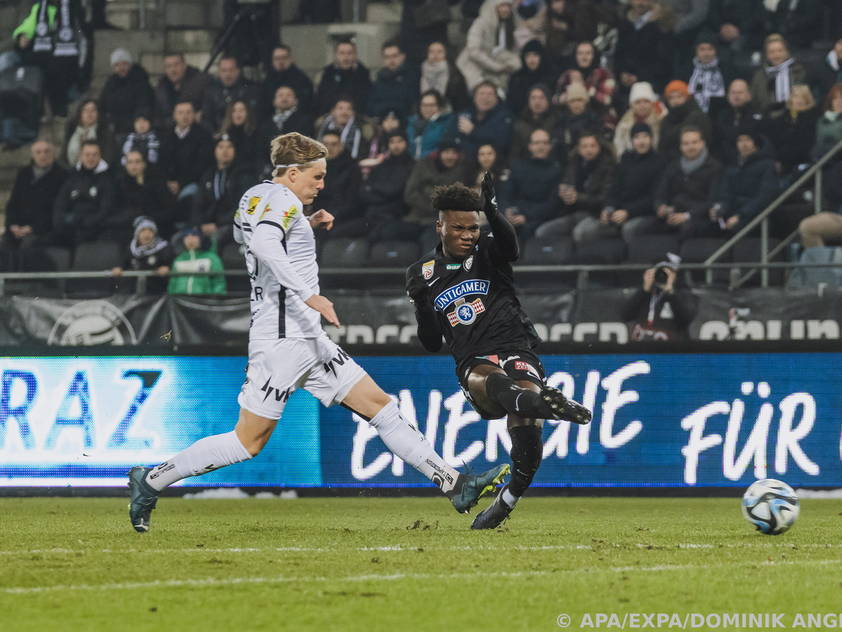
277 367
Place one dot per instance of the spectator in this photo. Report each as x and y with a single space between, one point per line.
220 189
29 211
566 22
228 86
685 18
833 64
682 111
288 116
829 126
143 139
538 114
84 204
239 125
798 22
529 198
486 159
490 54
771 84
657 311
535 69
178 84
487 121
86 124
708 77
587 71
746 188
193 259
739 113
52 39
345 77
817 229
139 192
355 133
577 117
147 251
687 188
342 185
443 167
187 152
284 72
793 133
424 22
738 25
381 195
440 74
644 49
125 91
430 126
583 190
629 205
395 89
645 108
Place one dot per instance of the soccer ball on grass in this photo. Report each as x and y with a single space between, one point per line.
771 506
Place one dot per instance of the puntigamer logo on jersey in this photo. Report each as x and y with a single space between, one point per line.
454 293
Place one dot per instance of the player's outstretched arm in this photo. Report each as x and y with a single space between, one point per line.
505 237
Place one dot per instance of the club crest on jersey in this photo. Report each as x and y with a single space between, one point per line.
252 205
460 290
427 269
466 313
288 216
468 263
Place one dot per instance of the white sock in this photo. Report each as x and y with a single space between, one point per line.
405 441
509 498
206 455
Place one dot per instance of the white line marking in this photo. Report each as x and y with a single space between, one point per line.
229 581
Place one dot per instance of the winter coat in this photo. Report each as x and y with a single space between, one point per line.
293 77
570 126
148 144
671 314
121 97
828 134
532 188
793 137
622 133
423 143
219 96
299 121
591 181
746 15
84 203
494 128
31 201
480 58
185 159
646 53
687 114
152 199
522 80
598 81
525 124
219 194
394 91
691 193
426 174
192 89
747 189
382 193
634 183
252 152
337 82
342 189
455 90
763 89
799 24
197 261
728 122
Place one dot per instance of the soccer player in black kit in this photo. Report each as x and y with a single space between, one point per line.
464 292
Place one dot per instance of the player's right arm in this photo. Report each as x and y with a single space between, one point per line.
505 237
419 295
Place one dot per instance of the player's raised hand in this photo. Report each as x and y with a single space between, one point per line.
321 219
325 307
489 197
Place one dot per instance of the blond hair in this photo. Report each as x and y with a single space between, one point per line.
295 149
803 91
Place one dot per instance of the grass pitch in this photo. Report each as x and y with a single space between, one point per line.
403 564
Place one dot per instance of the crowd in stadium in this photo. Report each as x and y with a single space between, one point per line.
603 122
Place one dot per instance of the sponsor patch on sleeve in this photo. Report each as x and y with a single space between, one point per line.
427 269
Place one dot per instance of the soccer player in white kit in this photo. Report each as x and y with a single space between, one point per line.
288 349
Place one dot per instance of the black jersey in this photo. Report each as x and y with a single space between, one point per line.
471 302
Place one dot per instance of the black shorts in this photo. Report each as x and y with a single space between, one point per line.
519 365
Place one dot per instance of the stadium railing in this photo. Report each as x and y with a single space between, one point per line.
762 219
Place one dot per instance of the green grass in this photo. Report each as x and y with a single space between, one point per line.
402 564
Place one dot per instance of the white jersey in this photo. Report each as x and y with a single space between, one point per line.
281 262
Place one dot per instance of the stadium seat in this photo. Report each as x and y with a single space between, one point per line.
748 250
392 254
60 257
99 256
601 252
697 250
541 252
344 253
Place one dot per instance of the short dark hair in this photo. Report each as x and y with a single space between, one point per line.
332 132
229 58
455 197
391 44
90 143
484 84
344 41
285 47
691 128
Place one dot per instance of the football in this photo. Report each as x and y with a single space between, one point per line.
771 506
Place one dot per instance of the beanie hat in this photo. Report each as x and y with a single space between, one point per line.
577 91
121 54
142 223
640 128
677 86
642 90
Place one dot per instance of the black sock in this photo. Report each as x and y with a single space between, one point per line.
527 451
516 400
